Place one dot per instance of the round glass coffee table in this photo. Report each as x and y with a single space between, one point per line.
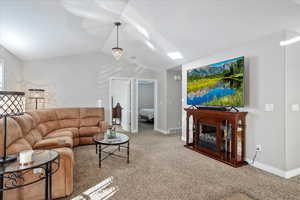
102 143
45 162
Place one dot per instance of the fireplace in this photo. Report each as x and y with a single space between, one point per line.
208 137
218 134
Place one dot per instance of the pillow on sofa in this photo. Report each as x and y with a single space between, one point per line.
92 112
14 132
91 121
28 126
46 120
18 146
68 117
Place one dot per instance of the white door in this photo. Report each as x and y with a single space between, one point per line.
121 93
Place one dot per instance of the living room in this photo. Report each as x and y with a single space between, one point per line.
73 125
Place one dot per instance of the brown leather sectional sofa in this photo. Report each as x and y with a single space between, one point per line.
59 129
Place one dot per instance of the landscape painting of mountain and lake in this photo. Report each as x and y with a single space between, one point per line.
219 84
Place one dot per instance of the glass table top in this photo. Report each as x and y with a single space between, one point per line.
102 139
39 157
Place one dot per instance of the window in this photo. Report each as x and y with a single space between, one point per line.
2 85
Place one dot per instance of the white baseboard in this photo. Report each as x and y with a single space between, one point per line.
268 168
274 170
164 131
161 131
292 173
176 130
134 131
183 138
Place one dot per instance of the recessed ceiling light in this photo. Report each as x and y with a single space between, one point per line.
290 41
175 55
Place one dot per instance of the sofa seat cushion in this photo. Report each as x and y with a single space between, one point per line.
59 133
86 140
51 143
74 131
89 131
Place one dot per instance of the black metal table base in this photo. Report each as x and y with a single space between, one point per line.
14 180
48 182
100 150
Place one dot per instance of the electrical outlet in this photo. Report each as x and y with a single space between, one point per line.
295 108
258 147
37 170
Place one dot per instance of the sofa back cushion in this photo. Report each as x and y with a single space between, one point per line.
68 117
29 128
46 120
15 141
91 116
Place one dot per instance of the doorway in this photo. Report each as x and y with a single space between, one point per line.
146 105
120 103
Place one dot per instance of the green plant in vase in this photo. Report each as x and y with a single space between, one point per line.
111 132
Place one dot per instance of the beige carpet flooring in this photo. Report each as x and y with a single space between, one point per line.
162 169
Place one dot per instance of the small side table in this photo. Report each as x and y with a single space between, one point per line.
12 174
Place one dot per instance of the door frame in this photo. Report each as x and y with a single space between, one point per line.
131 97
137 102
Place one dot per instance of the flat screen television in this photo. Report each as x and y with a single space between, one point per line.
220 84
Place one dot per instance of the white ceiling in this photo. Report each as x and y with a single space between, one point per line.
38 29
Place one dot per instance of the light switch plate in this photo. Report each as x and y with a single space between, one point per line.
295 108
269 107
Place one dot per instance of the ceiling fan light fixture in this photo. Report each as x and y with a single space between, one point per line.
117 52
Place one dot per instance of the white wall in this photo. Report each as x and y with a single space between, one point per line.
265 83
162 99
80 80
292 97
174 100
146 95
13 69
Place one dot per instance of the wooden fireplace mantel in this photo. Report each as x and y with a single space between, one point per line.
228 136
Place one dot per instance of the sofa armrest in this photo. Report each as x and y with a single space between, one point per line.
66 167
103 126
51 143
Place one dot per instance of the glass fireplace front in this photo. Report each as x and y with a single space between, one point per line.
208 137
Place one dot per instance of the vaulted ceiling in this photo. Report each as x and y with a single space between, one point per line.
38 29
